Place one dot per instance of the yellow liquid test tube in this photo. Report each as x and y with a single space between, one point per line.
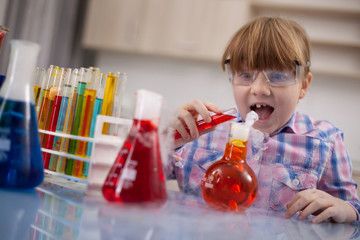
119 93
109 95
37 85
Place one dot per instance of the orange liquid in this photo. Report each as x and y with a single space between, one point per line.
81 146
230 184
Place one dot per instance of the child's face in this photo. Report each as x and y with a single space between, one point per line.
274 105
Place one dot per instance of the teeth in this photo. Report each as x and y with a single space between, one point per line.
260 105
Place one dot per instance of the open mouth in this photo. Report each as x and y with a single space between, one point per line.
263 110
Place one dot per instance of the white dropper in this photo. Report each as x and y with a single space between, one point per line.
251 118
241 131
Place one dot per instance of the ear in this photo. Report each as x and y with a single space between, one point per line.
305 85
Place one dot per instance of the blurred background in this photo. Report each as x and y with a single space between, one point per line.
174 47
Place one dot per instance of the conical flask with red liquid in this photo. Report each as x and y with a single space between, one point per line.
137 174
230 184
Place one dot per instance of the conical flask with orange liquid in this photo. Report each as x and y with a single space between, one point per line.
230 184
137 174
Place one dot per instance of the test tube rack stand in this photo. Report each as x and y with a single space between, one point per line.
104 151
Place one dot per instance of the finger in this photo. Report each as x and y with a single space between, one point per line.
326 214
186 124
202 109
179 126
295 206
191 125
212 107
292 201
312 208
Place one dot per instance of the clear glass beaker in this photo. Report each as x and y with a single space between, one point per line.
137 174
21 163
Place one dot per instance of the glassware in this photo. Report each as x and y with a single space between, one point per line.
21 163
64 76
137 173
3 31
79 111
217 119
230 184
39 81
109 96
85 121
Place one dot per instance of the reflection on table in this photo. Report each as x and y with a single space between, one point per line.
54 212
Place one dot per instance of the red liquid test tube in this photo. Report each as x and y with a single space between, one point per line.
216 119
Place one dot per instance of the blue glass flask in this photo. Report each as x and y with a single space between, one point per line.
21 164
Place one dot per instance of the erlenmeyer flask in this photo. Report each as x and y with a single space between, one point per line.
230 184
137 173
20 155
3 31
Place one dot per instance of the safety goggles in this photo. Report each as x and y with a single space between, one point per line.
275 78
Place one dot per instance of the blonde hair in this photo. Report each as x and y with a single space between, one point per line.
268 43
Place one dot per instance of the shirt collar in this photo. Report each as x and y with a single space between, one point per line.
298 124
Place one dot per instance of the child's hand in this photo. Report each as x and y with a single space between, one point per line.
187 116
321 204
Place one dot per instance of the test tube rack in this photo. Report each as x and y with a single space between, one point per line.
104 151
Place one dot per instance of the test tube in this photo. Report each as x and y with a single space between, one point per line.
64 75
48 103
216 119
65 94
85 122
43 92
38 82
120 87
84 78
97 110
60 79
64 142
108 102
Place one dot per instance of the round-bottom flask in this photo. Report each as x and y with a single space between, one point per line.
230 184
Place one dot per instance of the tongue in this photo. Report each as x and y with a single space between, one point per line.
264 112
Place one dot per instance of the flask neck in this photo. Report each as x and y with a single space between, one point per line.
146 125
21 70
235 153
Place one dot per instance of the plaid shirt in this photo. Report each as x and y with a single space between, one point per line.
303 154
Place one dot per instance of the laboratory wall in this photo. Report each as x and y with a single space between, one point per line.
174 47
331 98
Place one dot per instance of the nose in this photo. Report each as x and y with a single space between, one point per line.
260 86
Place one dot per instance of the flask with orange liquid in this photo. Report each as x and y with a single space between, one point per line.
230 184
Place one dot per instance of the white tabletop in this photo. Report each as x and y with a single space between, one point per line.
54 212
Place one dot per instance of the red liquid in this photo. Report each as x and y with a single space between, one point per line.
142 179
52 127
2 35
202 125
230 184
